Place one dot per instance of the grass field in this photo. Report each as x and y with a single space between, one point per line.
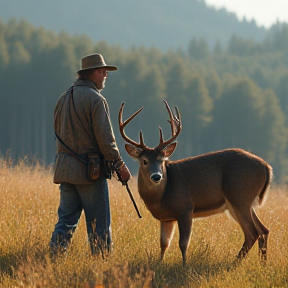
28 206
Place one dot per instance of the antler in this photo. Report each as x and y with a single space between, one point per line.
176 127
175 122
123 124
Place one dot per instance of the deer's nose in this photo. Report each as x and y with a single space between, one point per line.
156 177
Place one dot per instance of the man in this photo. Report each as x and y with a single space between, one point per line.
82 128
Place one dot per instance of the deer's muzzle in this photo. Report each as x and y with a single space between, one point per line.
156 177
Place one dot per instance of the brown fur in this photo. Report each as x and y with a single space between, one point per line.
205 185
178 191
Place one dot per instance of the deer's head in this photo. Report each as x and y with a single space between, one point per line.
152 160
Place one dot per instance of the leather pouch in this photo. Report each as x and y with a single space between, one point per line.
93 167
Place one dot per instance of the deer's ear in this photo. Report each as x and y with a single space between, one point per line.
133 151
170 149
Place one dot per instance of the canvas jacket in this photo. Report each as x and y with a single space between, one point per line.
82 122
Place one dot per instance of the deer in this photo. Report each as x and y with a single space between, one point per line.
232 180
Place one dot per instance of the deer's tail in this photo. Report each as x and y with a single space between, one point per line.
269 177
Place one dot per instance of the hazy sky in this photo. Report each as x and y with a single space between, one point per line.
268 14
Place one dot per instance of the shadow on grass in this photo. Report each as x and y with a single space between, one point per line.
176 275
199 268
141 272
11 262
7 262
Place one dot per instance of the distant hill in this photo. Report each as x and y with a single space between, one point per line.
164 24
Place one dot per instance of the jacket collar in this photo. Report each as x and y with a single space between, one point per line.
87 82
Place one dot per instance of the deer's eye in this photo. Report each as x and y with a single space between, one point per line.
145 162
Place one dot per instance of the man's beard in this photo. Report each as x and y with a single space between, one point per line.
102 86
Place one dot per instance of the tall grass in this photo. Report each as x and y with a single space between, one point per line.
28 210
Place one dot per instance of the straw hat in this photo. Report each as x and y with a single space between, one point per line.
93 61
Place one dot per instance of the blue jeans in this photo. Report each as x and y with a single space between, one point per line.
94 200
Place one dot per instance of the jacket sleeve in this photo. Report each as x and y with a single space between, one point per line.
103 130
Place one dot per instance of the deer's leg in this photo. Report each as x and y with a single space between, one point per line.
243 216
167 231
263 239
185 226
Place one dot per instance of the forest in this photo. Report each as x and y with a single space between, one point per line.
176 21
233 95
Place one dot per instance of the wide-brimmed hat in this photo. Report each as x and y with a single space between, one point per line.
93 61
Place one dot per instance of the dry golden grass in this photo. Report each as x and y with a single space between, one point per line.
28 206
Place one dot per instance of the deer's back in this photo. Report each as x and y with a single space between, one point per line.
207 180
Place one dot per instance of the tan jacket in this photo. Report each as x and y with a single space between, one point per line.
82 122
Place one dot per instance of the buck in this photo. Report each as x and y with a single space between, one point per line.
200 186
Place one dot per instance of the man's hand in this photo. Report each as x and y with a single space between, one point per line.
122 171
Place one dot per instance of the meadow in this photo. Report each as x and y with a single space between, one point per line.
28 206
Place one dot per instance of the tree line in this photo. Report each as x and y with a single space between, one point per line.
232 96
